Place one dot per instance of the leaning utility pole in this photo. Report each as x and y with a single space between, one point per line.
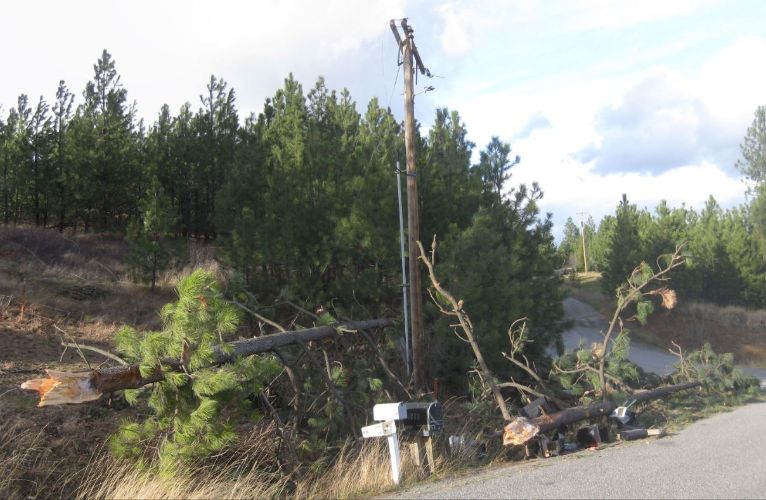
410 55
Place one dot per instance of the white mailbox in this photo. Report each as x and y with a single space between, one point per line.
389 411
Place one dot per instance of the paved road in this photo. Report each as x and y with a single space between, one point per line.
720 457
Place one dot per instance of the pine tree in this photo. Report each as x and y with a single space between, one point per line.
148 235
194 409
624 249
62 186
502 267
106 150
568 248
753 162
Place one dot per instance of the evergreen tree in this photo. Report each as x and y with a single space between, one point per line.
753 162
217 124
600 241
568 248
448 188
196 408
106 150
40 168
62 187
502 267
148 236
624 250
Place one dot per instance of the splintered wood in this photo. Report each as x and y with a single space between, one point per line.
519 431
63 388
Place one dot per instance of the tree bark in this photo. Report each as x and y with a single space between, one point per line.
73 388
523 429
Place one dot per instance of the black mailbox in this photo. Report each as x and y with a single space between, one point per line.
427 417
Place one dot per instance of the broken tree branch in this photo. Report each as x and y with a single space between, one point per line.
102 352
634 291
63 387
332 388
465 324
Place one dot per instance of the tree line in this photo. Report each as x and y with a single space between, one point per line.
301 198
725 249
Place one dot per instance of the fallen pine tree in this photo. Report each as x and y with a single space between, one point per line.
80 387
522 429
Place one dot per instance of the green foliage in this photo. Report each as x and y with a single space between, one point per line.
624 247
724 248
716 371
502 267
148 237
194 409
753 162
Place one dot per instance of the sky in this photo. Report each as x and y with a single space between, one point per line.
598 97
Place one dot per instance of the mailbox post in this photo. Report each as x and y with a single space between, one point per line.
387 429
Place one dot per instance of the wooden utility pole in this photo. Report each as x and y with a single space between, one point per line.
584 252
411 62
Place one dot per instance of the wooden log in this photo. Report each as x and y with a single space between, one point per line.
521 430
660 392
74 388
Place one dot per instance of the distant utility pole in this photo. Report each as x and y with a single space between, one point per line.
584 253
411 61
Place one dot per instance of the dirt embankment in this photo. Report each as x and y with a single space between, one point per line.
51 282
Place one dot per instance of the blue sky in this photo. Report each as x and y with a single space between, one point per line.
599 97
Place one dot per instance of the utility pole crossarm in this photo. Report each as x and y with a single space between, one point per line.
408 31
392 23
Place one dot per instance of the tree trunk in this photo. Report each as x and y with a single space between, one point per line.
62 387
523 429
154 269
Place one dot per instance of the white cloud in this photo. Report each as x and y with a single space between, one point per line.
461 25
618 14
667 120
166 50
688 123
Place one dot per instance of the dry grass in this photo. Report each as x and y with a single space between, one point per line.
122 480
84 280
27 466
728 329
358 470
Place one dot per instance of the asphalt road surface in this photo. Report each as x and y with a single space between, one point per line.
720 457
723 456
